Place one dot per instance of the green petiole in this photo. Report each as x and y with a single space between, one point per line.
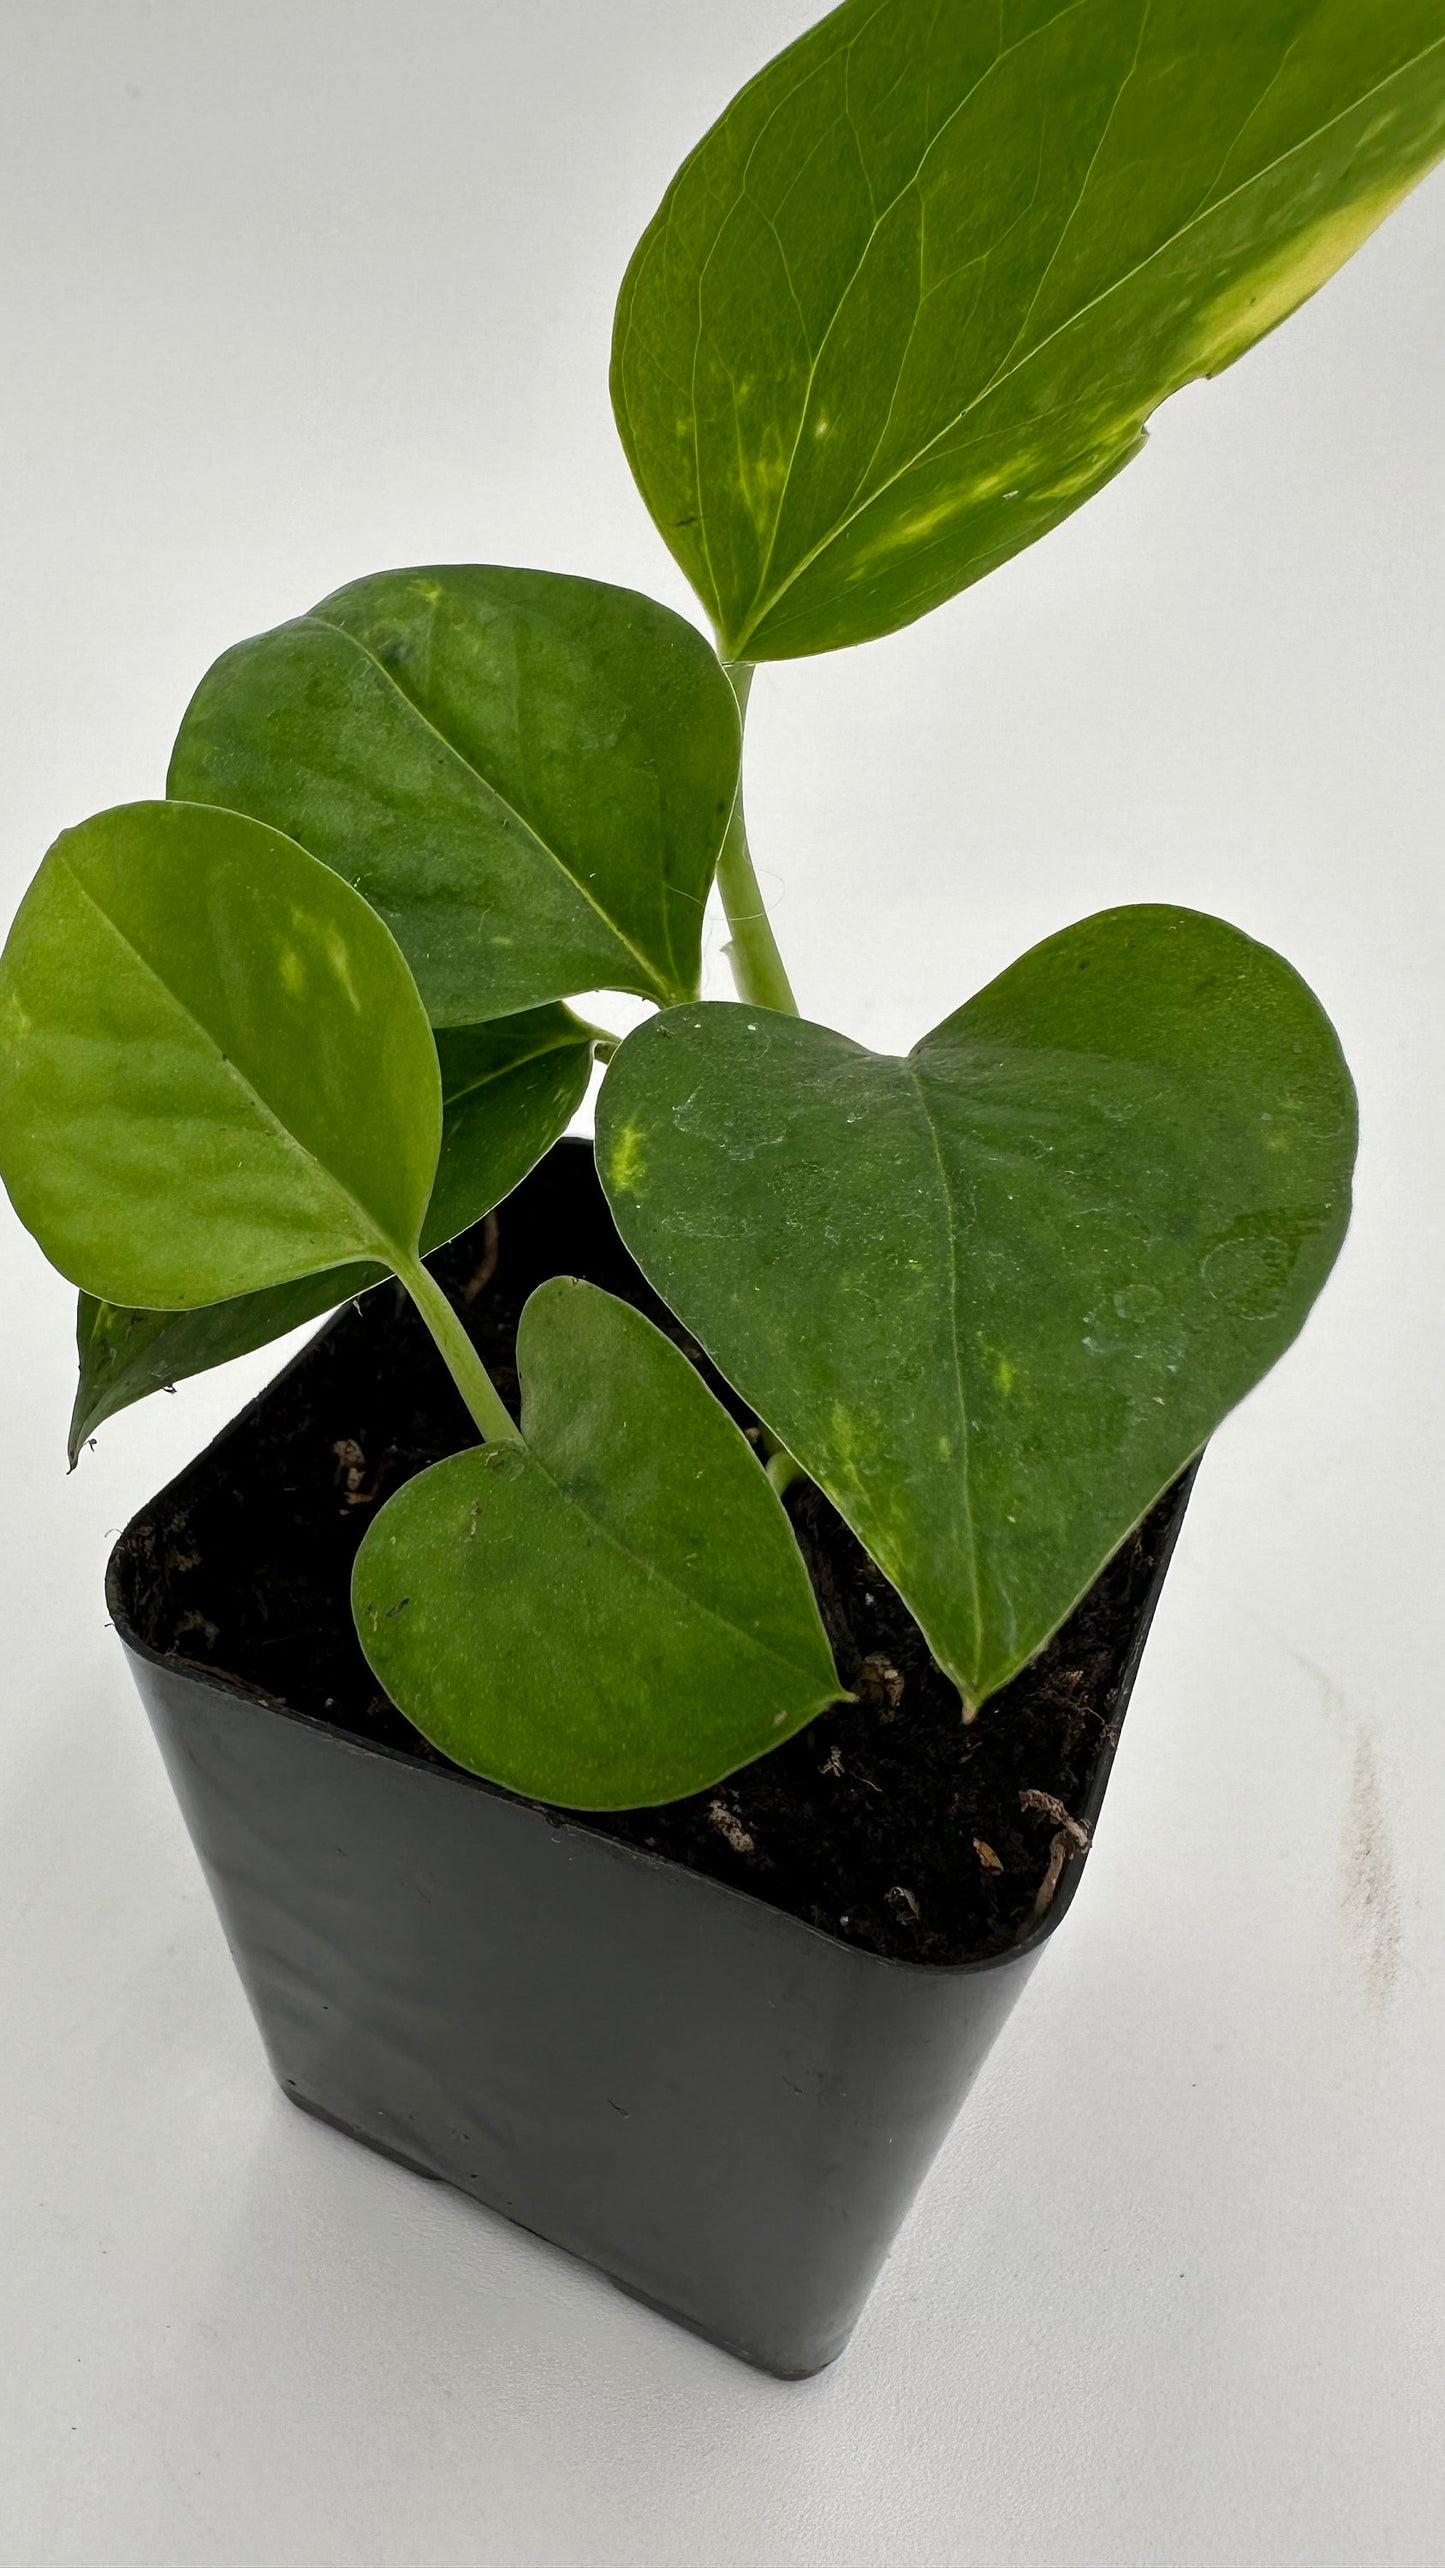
493 1420
757 967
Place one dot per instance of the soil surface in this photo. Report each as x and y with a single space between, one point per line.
886 1822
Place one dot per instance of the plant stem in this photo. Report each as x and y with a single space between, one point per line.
757 966
493 1421
758 969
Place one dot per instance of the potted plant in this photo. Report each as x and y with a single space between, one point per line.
642 1683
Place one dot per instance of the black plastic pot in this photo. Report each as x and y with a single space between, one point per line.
725 2109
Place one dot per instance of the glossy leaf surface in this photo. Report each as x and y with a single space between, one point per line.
528 776
614 1612
993 1296
215 1071
508 1091
913 298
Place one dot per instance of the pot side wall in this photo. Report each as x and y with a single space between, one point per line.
724 2109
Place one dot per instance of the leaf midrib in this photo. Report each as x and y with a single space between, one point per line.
879 219
544 847
504 1070
377 1240
661 1577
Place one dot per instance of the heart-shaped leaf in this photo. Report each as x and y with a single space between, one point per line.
508 1090
215 1071
529 777
612 1613
913 298
993 1296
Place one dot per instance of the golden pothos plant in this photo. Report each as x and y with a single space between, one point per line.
907 305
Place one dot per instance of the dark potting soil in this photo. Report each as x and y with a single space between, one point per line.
886 1822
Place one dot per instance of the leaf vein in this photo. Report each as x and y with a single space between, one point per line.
542 845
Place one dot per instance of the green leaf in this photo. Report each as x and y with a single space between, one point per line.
508 1090
993 1296
529 777
912 299
124 1354
215 1071
615 1611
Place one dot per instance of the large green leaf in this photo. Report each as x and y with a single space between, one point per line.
508 1090
529 777
912 299
215 1071
615 1611
993 1296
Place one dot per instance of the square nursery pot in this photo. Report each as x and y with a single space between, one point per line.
723 2107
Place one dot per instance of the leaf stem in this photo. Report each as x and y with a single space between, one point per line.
782 1470
494 1422
757 967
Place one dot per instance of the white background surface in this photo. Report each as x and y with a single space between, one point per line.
301 290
